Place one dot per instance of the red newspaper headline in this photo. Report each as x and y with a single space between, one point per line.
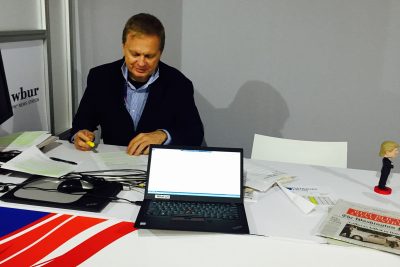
373 217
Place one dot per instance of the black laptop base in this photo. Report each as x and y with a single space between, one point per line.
187 223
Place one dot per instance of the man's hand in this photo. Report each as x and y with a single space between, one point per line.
141 143
81 138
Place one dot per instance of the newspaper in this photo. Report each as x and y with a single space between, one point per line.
364 226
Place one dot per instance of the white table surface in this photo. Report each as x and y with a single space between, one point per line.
291 241
275 215
169 248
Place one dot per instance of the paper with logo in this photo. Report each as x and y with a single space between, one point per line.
34 238
303 204
363 225
318 195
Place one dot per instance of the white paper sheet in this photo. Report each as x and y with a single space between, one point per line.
119 160
33 161
22 140
303 204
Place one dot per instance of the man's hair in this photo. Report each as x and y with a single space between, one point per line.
387 146
145 24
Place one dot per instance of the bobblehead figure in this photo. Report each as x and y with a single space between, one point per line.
389 150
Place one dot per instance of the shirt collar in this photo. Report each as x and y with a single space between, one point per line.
151 80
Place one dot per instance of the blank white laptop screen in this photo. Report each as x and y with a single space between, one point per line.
195 173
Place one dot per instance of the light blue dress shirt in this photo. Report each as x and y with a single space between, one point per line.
135 98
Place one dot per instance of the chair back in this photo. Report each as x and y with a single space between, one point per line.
331 154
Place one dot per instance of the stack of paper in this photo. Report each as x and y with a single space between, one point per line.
33 161
24 140
261 178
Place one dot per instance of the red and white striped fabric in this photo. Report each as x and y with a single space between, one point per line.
51 239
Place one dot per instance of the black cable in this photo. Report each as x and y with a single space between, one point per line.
86 193
134 172
131 174
127 177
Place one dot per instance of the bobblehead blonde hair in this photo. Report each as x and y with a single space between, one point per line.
387 146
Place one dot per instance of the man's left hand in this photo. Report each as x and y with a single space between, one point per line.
141 143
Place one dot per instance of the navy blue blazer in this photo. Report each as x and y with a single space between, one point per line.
170 105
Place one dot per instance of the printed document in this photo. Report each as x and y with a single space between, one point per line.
317 195
119 160
33 161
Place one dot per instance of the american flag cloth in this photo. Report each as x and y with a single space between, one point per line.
34 238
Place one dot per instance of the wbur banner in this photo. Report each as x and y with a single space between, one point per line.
25 69
30 95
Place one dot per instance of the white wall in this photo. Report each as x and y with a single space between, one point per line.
100 25
308 69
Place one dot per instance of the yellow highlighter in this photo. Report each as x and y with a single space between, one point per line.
90 143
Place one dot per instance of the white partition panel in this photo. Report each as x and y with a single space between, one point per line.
18 15
24 65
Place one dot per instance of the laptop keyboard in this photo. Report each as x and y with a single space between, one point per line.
193 209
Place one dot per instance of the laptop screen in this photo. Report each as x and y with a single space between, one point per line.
195 172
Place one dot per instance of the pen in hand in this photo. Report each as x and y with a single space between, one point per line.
63 160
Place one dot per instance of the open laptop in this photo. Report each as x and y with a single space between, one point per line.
194 189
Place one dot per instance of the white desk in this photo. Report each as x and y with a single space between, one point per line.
158 248
273 215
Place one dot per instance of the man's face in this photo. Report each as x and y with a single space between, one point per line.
393 153
142 54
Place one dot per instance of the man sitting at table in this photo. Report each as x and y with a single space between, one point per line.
138 100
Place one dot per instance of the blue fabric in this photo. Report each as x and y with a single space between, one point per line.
135 98
14 219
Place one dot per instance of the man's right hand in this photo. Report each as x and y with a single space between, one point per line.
81 138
